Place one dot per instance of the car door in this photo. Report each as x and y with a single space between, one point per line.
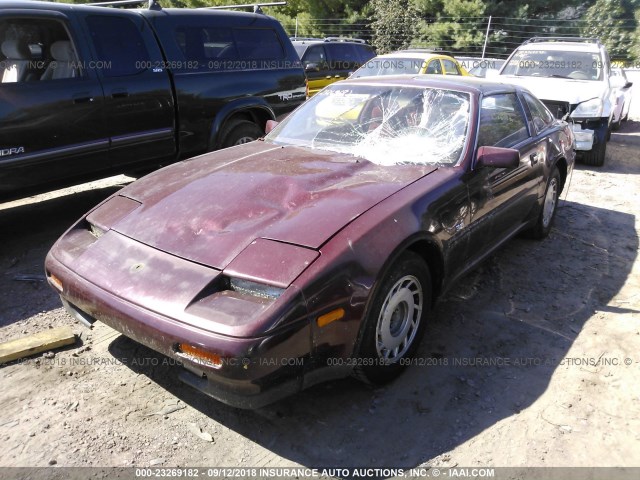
541 121
139 105
502 198
343 59
316 68
51 106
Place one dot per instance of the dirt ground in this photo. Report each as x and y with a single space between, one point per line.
533 360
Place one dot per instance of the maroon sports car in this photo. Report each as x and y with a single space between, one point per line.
318 251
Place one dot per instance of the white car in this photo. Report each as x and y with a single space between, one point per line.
622 87
572 78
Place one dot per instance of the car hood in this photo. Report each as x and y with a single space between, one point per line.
210 208
560 89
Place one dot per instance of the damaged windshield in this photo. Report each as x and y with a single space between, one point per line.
385 125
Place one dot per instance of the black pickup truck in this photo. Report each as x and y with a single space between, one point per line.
88 91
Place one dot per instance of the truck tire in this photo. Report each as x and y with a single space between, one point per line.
239 132
595 156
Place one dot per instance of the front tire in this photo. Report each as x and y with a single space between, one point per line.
547 213
595 156
396 320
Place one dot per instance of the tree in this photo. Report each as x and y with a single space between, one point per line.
613 22
394 24
453 24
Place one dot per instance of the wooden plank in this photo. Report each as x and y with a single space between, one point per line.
36 343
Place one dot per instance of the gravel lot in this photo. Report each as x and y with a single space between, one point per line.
533 360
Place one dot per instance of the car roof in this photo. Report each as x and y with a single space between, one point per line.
66 7
325 42
413 54
467 84
562 46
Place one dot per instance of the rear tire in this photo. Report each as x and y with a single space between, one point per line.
239 132
396 321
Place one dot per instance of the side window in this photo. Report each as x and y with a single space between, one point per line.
204 44
36 49
343 56
434 67
258 44
366 53
450 68
119 46
315 55
502 123
541 117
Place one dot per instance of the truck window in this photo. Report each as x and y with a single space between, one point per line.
258 44
204 44
227 48
119 46
35 49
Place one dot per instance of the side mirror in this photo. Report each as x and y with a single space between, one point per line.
496 157
311 67
628 85
271 124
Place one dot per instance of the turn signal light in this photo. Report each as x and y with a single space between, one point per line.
55 282
199 355
332 316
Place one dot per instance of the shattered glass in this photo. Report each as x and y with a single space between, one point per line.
385 125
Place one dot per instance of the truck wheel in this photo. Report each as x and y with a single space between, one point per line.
396 321
239 132
595 156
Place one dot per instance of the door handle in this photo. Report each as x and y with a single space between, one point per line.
84 97
534 158
328 76
336 76
120 93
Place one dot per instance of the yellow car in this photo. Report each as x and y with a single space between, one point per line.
412 62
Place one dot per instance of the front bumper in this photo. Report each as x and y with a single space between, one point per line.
584 137
255 371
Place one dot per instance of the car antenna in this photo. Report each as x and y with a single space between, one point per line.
256 6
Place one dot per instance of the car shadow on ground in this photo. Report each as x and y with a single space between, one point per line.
489 352
27 232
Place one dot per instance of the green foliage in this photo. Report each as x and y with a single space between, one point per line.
447 24
393 24
613 21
